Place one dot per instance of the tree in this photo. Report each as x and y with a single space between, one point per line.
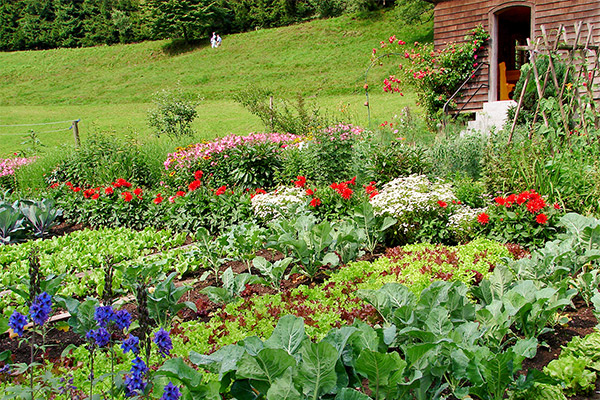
187 19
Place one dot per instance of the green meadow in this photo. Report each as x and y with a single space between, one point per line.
109 88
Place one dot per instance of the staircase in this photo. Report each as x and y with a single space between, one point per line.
493 116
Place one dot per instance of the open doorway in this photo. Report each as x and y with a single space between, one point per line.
512 27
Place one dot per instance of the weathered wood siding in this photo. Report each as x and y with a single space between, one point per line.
453 19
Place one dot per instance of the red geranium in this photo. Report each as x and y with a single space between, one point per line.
198 175
109 190
180 193
315 202
310 192
127 196
442 204
158 199
541 219
483 218
95 196
137 192
556 206
194 185
300 181
221 190
500 201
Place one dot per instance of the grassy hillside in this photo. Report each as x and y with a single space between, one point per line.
109 88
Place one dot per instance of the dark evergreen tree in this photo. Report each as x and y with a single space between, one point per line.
187 19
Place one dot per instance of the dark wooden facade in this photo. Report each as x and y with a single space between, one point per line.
508 23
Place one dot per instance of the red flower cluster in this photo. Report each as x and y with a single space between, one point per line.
442 204
371 190
315 202
483 218
258 191
121 183
300 181
387 85
343 189
532 200
220 190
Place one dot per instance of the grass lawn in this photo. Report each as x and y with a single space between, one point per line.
110 87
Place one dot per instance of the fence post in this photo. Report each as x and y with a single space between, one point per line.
76 132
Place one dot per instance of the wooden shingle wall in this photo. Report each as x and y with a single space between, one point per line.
453 19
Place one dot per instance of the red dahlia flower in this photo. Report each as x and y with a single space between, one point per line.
483 218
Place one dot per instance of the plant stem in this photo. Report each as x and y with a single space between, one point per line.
32 357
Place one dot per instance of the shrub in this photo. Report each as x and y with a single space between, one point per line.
173 113
250 161
103 159
458 155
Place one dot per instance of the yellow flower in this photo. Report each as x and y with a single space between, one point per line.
569 86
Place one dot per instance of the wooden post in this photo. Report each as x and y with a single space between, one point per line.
271 112
75 128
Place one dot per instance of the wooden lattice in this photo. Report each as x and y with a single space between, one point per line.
581 57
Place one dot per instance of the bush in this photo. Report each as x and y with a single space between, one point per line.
103 159
279 115
458 155
173 113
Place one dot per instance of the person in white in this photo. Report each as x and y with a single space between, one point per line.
213 41
219 40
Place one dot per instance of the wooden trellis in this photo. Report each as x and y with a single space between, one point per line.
583 68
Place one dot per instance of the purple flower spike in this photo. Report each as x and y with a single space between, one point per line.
41 308
17 322
171 392
163 342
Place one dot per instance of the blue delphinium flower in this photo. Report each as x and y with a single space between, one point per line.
17 322
163 341
41 308
104 315
131 344
171 392
122 319
134 382
100 336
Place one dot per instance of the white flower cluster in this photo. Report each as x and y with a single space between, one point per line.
404 197
463 222
281 202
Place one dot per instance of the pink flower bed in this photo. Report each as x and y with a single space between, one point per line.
184 158
8 166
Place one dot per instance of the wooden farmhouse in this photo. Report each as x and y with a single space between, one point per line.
510 24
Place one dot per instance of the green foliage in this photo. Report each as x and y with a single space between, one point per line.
233 286
573 374
12 223
187 19
41 215
458 155
436 74
272 272
104 159
279 115
173 113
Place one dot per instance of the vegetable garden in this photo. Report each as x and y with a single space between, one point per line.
343 263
